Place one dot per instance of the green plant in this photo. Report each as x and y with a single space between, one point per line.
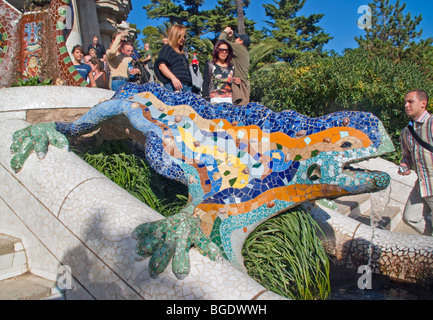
286 256
315 85
34 81
135 176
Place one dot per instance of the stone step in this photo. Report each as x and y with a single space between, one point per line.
389 218
396 218
13 259
358 208
26 287
402 227
353 206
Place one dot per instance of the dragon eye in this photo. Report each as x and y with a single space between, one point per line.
314 172
346 145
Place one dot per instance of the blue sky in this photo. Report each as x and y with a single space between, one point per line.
340 17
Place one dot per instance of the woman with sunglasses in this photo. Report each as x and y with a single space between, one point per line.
218 74
172 66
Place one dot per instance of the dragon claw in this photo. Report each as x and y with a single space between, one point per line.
171 239
35 137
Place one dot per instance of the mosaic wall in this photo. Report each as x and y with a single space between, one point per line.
9 18
32 49
42 50
3 43
242 165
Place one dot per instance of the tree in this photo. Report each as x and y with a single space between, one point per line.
240 13
394 35
294 34
226 13
153 36
185 12
199 22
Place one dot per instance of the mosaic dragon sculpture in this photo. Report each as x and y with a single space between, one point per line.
242 165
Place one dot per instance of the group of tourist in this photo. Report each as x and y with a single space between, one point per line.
111 68
93 69
225 77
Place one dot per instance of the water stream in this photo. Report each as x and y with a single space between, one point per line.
344 281
378 203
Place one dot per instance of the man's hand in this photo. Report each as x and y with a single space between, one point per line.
134 71
124 35
229 31
237 80
404 170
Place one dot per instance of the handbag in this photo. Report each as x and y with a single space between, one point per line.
417 138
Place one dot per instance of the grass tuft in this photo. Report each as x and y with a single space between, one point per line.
286 256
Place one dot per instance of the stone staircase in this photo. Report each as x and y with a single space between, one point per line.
16 282
358 207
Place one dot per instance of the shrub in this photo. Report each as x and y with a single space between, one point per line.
32 81
315 85
117 162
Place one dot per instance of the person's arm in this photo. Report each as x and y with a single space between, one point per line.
92 79
148 57
134 71
226 34
168 74
112 51
406 160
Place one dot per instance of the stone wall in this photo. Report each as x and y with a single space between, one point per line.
9 40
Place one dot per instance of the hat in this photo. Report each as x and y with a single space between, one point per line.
244 37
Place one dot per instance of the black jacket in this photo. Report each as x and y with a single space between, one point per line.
177 63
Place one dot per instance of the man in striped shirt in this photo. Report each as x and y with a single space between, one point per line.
419 206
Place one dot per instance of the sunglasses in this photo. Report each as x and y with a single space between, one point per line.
223 50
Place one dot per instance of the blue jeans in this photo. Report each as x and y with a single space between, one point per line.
116 84
170 87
